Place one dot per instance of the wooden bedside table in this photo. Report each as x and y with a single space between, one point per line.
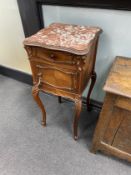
113 131
62 59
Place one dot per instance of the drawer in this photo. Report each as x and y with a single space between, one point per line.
55 77
57 57
123 102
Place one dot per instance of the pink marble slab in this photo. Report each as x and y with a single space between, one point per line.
65 37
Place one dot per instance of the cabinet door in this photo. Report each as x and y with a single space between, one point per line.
54 76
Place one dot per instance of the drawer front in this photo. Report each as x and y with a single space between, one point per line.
54 76
57 57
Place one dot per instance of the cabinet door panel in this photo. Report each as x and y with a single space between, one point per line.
116 117
123 137
54 76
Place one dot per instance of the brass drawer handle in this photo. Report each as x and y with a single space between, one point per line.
39 74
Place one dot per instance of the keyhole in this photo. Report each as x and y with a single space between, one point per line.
52 56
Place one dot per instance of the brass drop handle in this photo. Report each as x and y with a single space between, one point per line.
39 74
39 84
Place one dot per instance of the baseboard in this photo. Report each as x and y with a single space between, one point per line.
27 78
16 74
94 105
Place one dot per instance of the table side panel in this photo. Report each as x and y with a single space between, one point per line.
89 66
119 79
122 139
103 121
116 118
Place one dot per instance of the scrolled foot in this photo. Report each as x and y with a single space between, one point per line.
43 123
93 150
76 137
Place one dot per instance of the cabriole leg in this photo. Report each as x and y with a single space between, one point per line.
78 106
35 93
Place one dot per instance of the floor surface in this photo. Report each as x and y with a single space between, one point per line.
26 148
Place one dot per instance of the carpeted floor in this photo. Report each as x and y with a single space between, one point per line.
26 148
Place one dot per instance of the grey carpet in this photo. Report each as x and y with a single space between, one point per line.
26 148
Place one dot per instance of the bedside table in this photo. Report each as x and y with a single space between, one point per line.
62 59
113 131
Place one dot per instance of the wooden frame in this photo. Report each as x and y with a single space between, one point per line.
31 10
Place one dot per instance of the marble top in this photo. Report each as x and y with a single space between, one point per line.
71 38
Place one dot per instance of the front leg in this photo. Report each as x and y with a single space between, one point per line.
78 106
35 93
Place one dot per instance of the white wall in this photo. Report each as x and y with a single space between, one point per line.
115 40
12 53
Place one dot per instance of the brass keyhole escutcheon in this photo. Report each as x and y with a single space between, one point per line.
52 55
